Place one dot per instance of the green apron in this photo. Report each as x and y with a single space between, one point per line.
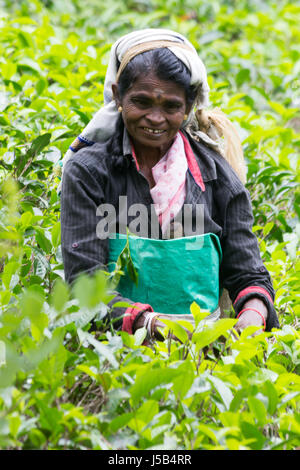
172 273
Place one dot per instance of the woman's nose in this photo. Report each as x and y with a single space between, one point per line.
155 116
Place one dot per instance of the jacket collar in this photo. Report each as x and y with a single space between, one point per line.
127 150
204 158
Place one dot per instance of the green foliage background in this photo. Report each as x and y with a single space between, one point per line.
65 387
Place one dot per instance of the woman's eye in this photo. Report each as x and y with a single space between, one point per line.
172 106
168 107
141 102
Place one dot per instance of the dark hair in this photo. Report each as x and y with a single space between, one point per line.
165 65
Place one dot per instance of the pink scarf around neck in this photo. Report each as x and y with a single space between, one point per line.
169 175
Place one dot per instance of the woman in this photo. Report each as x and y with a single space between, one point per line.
145 163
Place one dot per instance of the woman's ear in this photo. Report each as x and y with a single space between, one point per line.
188 109
116 96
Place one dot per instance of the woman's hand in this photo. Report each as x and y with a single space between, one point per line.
156 324
141 321
252 317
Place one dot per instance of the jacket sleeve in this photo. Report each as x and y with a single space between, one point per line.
82 250
242 271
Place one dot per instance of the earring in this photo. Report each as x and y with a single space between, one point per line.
120 109
185 117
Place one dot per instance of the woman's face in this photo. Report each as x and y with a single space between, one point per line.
153 111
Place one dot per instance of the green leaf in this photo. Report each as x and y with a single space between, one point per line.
60 295
212 331
147 380
55 234
103 350
41 86
32 302
183 382
197 313
256 438
14 424
270 391
120 421
87 370
223 391
176 329
242 76
147 411
26 219
124 262
42 240
49 417
258 410
139 336
267 228
90 291
40 264
38 145
9 275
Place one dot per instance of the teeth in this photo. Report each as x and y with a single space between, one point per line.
153 131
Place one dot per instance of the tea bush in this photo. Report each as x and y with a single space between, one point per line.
65 385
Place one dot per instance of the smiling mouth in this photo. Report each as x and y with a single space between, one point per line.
153 131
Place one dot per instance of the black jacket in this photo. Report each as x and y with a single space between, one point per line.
101 173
